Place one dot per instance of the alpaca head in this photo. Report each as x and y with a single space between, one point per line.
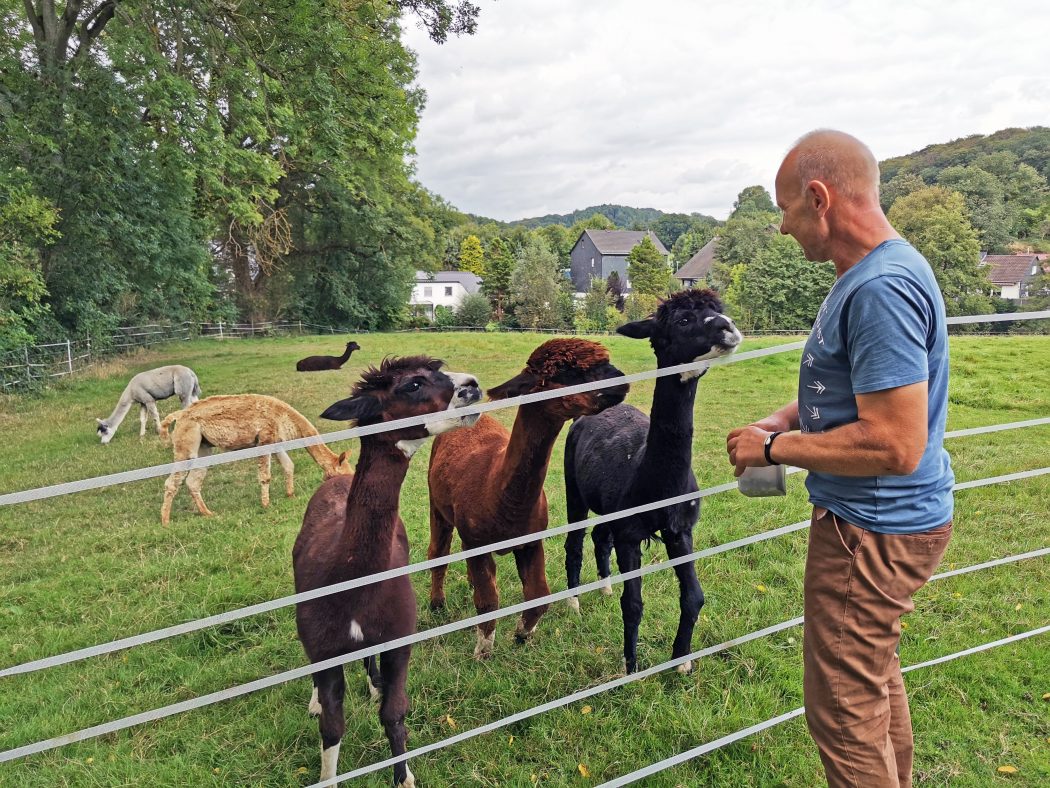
104 431
352 346
405 387
337 465
566 362
688 326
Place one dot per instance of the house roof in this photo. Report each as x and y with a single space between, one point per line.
470 282
1009 269
620 241
699 265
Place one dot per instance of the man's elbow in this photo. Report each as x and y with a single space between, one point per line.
904 460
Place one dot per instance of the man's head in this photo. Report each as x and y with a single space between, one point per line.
827 180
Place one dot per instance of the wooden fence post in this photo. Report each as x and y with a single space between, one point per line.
220 329
69 356
29 369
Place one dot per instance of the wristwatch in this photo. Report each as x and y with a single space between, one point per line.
768 445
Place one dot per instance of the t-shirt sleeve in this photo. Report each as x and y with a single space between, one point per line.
889 321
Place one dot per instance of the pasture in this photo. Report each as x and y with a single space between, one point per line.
88 568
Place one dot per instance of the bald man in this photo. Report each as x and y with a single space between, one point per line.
868 425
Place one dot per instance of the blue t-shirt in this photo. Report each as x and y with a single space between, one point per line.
881 326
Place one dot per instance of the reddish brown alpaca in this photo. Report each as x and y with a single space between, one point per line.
352 528
488 483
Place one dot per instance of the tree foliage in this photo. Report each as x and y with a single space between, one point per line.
499 264
472 256
534 286
474 310
647 269
934 220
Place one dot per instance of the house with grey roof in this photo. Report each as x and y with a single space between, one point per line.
698 266
1010 274
597 253
442 288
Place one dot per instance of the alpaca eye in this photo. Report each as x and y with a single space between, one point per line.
683 321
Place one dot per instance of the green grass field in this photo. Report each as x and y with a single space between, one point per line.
88 568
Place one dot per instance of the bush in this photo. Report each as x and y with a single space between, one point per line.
474 310
444 317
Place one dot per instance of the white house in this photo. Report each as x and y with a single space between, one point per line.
442 288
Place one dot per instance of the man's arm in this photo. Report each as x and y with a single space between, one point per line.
783 420
887 439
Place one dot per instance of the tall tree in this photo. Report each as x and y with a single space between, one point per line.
472 256
534 286
899 185
934 220
499 266
753 200
647 269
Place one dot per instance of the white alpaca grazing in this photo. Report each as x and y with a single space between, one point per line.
145 389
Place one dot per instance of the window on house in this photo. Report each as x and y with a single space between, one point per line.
428 292
448 291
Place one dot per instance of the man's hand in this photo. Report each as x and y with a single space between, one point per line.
746 447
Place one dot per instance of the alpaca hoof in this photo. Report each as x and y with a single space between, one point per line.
685 668
373 691
483 649
521 634
315 705
437 604
606 587
574 603
410 779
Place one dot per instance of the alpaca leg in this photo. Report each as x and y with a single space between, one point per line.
690 595
289 473
264 479
441 533
374 678
574 561
171 486
331 687
394 706
142 420
629 558
151 408
533 574
315 702
195 481
481 570
603 545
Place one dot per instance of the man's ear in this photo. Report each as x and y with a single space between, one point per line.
360 409
520 384
639 329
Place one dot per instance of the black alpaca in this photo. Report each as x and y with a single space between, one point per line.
619 458
318 363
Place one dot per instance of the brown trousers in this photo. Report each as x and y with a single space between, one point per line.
858 585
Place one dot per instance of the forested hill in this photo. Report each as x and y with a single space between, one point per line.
1031 146
619 215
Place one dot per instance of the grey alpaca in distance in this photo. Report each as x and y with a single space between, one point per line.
145 389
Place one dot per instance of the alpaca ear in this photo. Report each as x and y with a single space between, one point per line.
639 329
342 458
515 387
360 408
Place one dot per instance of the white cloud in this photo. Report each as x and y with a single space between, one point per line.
677 105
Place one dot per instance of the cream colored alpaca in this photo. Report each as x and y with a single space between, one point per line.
238 421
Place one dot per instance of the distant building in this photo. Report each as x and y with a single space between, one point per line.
1010 274
443 288
598 253
699 265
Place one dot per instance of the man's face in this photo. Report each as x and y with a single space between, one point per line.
802 219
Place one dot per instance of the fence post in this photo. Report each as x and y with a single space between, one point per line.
89 351
29 369
300 328
69 356
220 329
252 322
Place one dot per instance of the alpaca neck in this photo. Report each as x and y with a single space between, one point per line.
372 506
346 355
669 443
323 456
302 428
123 406
524 468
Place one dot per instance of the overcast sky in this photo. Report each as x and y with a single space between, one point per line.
555 105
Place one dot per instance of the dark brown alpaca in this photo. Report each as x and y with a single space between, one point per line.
487 484
352 528
318 363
